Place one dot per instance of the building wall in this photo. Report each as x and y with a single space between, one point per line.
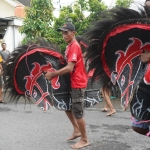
8 38
6 10
13 37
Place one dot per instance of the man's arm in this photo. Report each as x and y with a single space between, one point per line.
145 56
69 68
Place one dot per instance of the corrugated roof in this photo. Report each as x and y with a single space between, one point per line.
25 2
6 19
4 22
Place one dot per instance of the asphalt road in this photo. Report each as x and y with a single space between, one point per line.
24 127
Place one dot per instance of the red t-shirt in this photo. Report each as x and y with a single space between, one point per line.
78 75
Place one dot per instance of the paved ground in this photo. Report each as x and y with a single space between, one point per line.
24 127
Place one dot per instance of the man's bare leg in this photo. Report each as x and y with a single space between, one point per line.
105 108
84 140
76 133
112 110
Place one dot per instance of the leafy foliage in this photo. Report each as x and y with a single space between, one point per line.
124 3
38 21
81 13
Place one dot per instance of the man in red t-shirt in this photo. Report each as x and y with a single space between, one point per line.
78 79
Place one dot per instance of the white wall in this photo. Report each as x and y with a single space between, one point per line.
8 38
13 37
6 10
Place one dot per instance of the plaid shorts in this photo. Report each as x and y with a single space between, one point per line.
78 102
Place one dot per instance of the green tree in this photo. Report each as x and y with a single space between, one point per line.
96 7
77 14
38 21
124 3
72 14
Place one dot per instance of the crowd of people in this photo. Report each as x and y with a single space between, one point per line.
78 76
77 70
106 94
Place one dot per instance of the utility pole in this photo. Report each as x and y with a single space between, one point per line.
59 3
111 4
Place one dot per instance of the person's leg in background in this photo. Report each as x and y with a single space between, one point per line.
106 94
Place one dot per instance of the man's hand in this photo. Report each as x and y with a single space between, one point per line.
145 57
65 70
49 75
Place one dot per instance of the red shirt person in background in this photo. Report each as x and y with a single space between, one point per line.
138 126
78 79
